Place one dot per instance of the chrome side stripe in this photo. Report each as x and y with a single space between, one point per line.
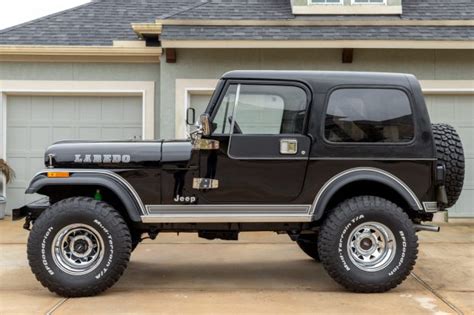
229 209
219 218
226 213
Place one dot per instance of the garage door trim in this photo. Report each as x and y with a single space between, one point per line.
144 89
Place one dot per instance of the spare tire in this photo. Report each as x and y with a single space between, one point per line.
449 151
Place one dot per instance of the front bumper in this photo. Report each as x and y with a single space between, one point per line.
33 209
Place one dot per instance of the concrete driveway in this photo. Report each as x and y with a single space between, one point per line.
263 273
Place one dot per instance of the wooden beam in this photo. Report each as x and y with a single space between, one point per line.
347 55
170 55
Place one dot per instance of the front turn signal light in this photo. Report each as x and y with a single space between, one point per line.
58 174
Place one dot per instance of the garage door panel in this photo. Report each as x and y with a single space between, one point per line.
467 138
22 106
113 133
35 122
62 133
40 138
464 110
41 109
131 133
90 109
458 110
18 139
464 206
469 175
132 110
89 133
64 109
20 165
112 110
16 197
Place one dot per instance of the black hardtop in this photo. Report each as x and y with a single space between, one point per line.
321 81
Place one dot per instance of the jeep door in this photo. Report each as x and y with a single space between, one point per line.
263 150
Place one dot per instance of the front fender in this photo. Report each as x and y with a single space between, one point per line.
97 178
362 174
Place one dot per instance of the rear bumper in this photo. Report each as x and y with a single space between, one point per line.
33 209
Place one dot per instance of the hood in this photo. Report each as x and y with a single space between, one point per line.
116 154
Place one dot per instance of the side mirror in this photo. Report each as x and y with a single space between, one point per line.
205 125
190 116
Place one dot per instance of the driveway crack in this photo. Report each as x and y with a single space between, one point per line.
439 296
56 306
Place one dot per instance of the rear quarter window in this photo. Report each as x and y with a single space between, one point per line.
366 115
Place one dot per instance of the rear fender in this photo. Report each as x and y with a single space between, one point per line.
362 174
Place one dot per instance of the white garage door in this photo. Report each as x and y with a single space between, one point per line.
35 122
458 111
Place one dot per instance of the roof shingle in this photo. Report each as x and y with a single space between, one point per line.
100 22
317 33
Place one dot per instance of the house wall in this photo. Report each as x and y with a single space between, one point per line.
85 72
211 64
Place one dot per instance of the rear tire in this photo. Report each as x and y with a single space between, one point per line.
309 245
79 247
368 244
449 150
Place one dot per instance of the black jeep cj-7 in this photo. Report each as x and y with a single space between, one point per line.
347 164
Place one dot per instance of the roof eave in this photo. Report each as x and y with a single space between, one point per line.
367 44
80 53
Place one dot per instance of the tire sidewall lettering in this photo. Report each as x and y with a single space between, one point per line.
341 244
108 242
45 250
403 244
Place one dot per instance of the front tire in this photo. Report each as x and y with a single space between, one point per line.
368 244
79 247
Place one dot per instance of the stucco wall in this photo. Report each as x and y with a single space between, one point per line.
86 72
211 64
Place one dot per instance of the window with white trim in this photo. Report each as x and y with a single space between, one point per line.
325 1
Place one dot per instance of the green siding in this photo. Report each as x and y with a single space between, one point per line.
85 72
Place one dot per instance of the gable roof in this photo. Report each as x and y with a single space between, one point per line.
100 22
97 23
237 10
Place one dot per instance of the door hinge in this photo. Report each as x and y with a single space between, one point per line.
205 183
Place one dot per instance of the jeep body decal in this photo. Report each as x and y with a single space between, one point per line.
101 158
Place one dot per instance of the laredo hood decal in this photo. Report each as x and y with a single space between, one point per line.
116 154
102 158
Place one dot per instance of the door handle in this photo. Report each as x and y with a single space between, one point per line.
288 146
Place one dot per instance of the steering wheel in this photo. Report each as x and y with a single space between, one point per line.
236 126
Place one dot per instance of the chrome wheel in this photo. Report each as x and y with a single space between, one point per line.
77 249
371 246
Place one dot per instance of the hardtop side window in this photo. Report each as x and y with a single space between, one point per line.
261 109
369 115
